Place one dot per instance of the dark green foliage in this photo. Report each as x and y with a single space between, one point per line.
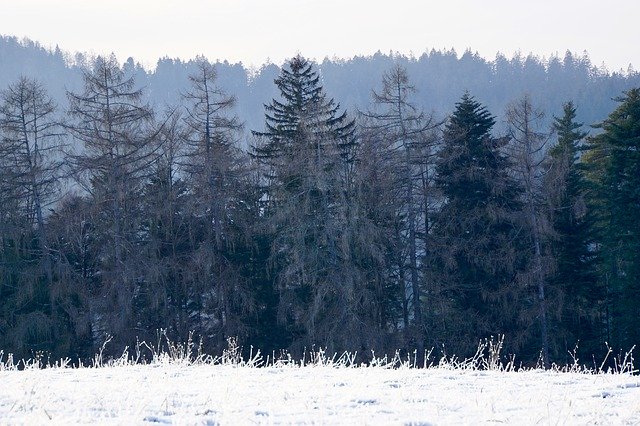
162 298
302 112
580 311
613 160
37 314
477 232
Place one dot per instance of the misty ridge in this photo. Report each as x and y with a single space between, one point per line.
440 77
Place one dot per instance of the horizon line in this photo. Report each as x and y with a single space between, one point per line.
70 56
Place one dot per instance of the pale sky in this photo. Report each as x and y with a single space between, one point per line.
251 31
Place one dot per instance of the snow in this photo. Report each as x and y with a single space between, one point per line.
232 394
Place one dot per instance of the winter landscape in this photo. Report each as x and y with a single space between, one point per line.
178 389
397 212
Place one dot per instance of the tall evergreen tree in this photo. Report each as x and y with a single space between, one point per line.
323 296
302 112
613 160
574 275
477 232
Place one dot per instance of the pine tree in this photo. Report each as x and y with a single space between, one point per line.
303 112
477 232
315 250
613 160
574 275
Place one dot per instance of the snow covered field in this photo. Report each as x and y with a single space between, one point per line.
172 392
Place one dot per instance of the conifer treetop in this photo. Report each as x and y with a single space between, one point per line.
303 106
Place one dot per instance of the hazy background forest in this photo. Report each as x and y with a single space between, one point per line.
440 78
383 202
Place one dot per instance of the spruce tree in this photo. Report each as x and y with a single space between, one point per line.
303 112
574 276
304 100
613 160
316 249
477 232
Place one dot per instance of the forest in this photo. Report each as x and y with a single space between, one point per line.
390 226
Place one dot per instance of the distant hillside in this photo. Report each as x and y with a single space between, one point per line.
440 77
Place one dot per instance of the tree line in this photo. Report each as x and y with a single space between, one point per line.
388 228
438 75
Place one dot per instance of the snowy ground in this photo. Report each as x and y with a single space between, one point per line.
178 393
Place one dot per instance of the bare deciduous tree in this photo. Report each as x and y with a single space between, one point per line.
217 172
114 128
409 135
31 148
31 162
527 149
